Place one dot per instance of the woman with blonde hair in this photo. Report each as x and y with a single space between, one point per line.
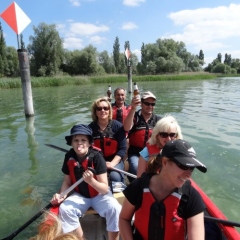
51 229
109 136
165 130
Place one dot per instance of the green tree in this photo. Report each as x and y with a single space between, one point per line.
208 68
12 65
134 63
22 44
236 64
106 62
221 68
194 64
201 55
46 50
122 65
141 66
84 62
116 54
219 57
2 52
228 59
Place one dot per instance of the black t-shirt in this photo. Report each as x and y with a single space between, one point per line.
99 166
134 192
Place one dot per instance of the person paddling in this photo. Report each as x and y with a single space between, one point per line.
92 192
165 204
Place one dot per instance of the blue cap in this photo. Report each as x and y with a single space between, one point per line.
79 129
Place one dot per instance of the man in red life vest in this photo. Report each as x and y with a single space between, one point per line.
119 107
139 124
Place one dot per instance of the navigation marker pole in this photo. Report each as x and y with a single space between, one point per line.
18 21
128 55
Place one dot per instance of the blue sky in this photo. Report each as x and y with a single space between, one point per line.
210 25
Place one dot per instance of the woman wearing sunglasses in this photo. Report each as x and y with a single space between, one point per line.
165 204
109 136
165 130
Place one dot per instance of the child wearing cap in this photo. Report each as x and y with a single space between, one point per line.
165 205
92 192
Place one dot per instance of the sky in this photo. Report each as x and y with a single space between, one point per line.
209 25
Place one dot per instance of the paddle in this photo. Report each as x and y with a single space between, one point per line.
66 192
222 221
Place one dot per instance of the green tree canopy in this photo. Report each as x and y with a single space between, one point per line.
116 54
46 50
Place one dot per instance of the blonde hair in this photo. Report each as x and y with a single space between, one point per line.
163 125
51 229
96 104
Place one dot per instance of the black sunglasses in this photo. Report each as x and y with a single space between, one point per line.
165 135
183 167
102 108
149 104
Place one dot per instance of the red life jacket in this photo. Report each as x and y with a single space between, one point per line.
76 170
106 140
152 149
141 131
161 220
120 114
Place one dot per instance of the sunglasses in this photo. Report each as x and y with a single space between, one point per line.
165 135
149 104
183 167
102 108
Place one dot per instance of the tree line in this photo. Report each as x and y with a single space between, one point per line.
47 57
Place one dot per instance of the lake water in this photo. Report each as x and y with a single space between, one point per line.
30 172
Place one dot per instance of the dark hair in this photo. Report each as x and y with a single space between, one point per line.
154 164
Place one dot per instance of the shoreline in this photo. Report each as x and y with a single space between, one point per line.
61 80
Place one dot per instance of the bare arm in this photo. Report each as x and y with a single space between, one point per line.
65 185
114 162
128 122
125 219
142 166
195 226
100 184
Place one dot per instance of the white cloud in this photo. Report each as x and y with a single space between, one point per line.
97 40
133 3
208 28
73 43
77 33
75 3
138 53
129 26
85 29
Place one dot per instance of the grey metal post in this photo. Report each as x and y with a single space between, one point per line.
26 82
129 76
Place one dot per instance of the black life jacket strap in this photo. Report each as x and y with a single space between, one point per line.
185 192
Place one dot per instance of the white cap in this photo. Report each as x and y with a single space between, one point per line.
148 94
